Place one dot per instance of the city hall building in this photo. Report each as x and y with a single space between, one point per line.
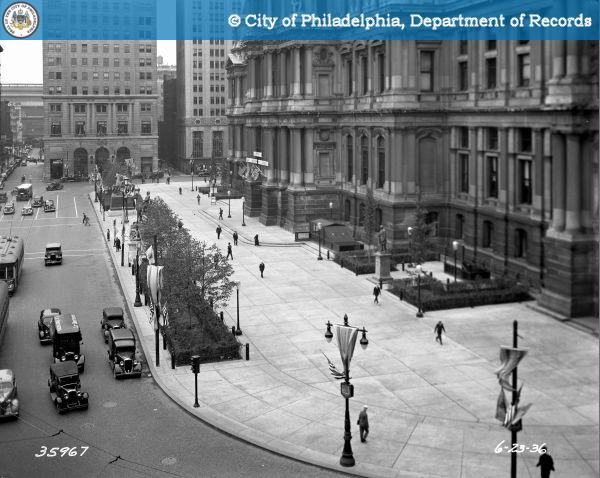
498 138
100 105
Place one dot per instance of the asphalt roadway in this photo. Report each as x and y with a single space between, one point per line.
132 428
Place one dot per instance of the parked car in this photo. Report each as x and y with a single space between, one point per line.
112 318
24 162
65 387
54 185
9 401
49 206
44 321
9 208
121 354
66 337
53 253
3 197
27 211
38 201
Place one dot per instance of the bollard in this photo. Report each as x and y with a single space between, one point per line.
233 329
247 351
222 317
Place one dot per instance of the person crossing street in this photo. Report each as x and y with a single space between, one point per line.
438 329
229 251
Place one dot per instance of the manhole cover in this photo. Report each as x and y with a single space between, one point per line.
170 460
131 435
109 404
87 426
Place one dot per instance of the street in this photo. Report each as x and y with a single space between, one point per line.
131 427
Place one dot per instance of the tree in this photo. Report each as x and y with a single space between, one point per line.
420 238
370 219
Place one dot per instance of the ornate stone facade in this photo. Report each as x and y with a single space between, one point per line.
500 137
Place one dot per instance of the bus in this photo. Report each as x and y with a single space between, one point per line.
24 192
3 308
12 251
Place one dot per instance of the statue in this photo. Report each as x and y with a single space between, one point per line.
382 240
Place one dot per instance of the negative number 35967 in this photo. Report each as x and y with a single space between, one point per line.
61 452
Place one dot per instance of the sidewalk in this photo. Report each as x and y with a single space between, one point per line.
431 407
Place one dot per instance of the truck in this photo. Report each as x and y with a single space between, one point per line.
24 192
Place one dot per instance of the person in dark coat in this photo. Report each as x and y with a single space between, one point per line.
235 238
220 213
218 232
198 198
261 268
546 464
376 292
229 251
363 424
256 243
438 329
179 191
118 244
108 234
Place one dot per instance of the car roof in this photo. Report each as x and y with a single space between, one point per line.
50 311
122 334
112 311
53 245
6 375
66 324
67 367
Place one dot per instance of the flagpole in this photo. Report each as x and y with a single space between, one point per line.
157 309
515 399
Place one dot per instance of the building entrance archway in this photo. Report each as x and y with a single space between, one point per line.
80 163
123 153
101 158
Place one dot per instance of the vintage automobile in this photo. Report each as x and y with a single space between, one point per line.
9 401
121 354
54 185
65 387
38 201
46 317
26 211
23 162
9 208
3 196
112 318
49 206
53 253
66 337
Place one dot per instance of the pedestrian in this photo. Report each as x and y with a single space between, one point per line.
235 238
118 244
229 251
198 197
86 221
261 268
380 284
219 232
376 292
256 243
108 234
220 213
363 424
546 464
438 329
179 191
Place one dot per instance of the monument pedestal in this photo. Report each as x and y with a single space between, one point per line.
382 266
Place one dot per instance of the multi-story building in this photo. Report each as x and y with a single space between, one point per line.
201 102
27 99
499 138
100 104
164 73
167 128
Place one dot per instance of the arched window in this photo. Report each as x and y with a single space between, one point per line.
349 157
364 154
520 243
380 161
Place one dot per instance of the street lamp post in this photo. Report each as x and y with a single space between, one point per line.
410 231
96 186
346 340
243 210
238 285
455 245
319 226
138 300
125 218
331 211
419 309
231 179
192 169
123 246
229 203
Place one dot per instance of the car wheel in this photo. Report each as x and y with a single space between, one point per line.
82 369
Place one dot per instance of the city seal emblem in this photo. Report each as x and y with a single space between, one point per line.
20 20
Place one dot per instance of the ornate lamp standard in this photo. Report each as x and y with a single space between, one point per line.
229 204
243 210
123 246
419 309
346 340
138 300
125 216
96 186
238 286
455 245
319 226
410 231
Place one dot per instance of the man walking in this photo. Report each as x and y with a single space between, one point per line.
363 424
118 244
218 230
256 243
376 292
438 329
229 251
546 464
235 238
220 213
261 268
198 197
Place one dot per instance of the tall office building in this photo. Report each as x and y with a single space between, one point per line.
100 104
499 138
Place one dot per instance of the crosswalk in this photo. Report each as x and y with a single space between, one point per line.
39 214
